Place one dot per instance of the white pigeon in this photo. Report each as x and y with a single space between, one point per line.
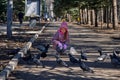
73 51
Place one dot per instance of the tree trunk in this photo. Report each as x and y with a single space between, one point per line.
115 20
96 23
92 17
85 13
111 15
89 21
101 17
107 15
81 16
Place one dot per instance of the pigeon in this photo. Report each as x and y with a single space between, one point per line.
83 55
73 51
102 57
27 56
43 49
38 62
84 67
61 62
117 57
38 56
116 51
72 59
114 60
100 51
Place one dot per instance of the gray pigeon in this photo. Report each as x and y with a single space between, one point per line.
44 49
100 51
38 62
116 51
72 59
61 62
84 67
116 56
114 60
102 57
83 55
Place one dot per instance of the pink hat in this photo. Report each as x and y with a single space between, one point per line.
64 24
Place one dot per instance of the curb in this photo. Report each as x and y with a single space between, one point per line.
14 61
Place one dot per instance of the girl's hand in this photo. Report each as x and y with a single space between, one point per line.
65 46
60 45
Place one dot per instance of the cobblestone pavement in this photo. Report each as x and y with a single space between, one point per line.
81 38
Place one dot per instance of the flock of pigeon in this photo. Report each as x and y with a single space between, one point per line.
115 58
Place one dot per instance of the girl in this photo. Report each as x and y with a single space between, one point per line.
61 38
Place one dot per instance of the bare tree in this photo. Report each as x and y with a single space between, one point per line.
115 19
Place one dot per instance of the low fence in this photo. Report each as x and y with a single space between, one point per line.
14 61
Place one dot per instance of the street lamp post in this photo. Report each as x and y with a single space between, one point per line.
9 18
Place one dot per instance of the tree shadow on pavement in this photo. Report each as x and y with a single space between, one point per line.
50 75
